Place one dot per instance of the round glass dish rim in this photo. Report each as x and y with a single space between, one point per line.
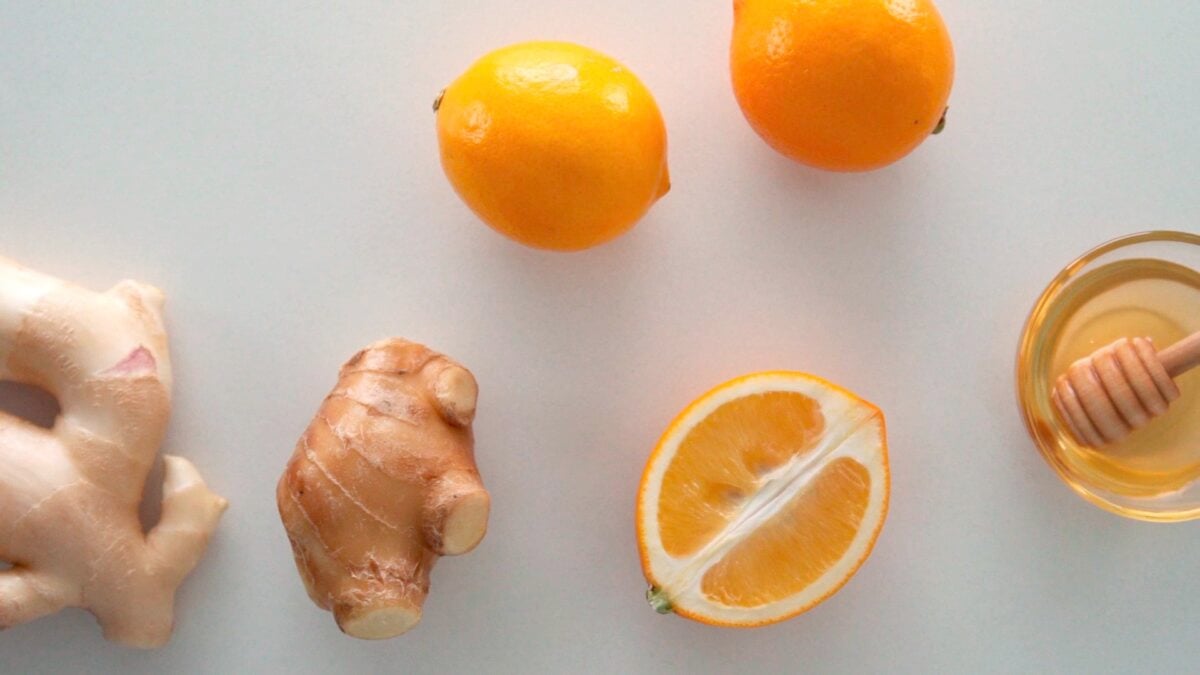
1031 334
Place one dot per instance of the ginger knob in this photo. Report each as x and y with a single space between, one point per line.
69 495
382 483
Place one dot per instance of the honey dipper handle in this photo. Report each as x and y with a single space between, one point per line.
1181 356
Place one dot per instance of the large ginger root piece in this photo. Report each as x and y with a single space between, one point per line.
382 483
69 495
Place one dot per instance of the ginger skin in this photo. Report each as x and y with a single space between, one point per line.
69 495
381 484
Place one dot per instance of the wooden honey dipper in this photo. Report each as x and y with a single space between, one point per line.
1121 387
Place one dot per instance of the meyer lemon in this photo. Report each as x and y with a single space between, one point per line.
552 144
845 85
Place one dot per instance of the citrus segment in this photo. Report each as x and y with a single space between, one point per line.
821 521
724 458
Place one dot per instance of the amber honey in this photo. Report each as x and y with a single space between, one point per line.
1144 285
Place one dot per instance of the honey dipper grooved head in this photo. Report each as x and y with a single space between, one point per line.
1119 388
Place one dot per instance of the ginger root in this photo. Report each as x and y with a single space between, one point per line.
381 484
69 495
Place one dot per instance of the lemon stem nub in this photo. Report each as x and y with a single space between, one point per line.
437 102
936 130
658 600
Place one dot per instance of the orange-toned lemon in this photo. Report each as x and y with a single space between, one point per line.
845 85
553 144
762 499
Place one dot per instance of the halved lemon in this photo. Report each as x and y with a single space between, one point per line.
762 499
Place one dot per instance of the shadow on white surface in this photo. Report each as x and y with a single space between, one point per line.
29 403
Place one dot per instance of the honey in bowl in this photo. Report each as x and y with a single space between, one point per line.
1144 285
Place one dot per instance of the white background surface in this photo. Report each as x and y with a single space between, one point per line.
273 167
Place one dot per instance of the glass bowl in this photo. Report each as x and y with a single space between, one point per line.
1144 284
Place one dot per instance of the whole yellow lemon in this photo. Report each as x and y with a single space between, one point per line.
552 144
844 85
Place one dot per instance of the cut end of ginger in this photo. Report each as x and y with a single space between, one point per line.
381 623
466 523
